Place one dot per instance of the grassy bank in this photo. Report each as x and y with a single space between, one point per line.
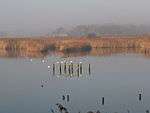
72 44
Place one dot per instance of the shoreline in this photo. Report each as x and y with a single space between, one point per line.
73 44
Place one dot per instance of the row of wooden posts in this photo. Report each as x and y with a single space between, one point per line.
103 99
67 97
70 69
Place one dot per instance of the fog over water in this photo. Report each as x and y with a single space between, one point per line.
42 16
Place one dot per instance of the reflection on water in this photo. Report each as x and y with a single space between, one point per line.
93 52
57 82
20 54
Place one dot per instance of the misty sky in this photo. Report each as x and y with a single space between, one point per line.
44 15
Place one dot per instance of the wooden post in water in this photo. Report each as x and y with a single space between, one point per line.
71 68
140 95
65 68
103 100
53 69
78 70
81 68
89 69
60 71
68 98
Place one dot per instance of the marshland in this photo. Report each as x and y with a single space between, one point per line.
75 74
74 44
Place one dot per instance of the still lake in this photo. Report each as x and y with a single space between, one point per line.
28 85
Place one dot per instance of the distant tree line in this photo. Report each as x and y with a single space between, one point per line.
98 30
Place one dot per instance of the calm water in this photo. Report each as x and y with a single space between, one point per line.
28 86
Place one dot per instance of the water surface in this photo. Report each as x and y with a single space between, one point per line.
27 85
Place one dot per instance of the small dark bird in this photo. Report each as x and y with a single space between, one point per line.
42 86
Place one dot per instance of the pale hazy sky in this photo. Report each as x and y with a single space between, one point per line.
44 15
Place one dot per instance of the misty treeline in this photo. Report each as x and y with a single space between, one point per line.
106 29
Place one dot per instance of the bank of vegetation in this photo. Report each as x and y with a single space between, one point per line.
72 44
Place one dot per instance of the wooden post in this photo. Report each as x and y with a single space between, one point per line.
68 98
60 69
53 69
65 68
72 68
140 97
103 101
81 68
89 69
69 70
78 70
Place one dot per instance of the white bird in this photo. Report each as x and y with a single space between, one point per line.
43 61
31 60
